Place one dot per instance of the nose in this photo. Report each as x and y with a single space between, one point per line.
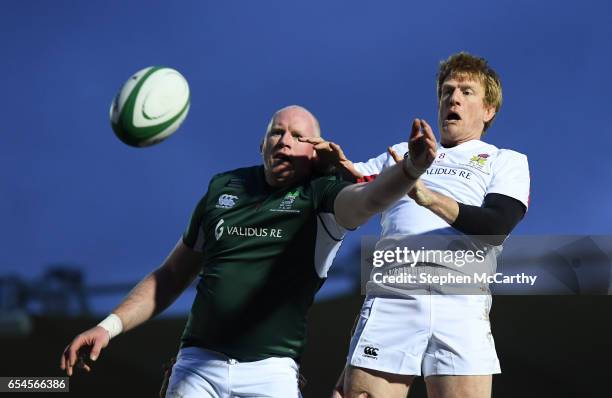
286 139
455 97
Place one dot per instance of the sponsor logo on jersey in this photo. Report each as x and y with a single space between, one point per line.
448 171
219 229
226 201
286 204
479 161
370 352
247 232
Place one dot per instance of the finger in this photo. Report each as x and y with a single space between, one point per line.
71 356
430 143
63 360
95 350
427 130
82 362
338 150
394 155
73 349
311 140
416 138
322 146
416 128
417 131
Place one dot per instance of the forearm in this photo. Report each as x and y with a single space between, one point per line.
148 298
357 203
386 189
444 207
493 221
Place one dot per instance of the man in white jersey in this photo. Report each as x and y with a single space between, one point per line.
472 188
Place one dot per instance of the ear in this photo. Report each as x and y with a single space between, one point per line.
489 113
261 147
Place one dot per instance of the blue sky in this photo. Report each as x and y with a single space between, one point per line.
72 192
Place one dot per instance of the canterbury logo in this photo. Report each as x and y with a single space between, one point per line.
370 351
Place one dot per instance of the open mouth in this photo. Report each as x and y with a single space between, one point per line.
281 161
452 116
281 158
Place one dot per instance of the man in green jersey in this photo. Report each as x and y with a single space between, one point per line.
262 240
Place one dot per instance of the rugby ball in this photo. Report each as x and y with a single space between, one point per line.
150 106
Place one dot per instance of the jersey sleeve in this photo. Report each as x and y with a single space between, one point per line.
511 176
376 165
325 190
194 235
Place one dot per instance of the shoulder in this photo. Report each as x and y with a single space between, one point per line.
500 156
509 158
237 176
320 182
323 191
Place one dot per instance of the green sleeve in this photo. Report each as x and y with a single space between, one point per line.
325 189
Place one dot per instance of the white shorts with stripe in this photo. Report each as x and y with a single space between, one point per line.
425 335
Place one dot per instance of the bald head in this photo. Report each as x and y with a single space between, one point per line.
286 159
296 111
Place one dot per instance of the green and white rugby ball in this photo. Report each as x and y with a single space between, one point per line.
150 106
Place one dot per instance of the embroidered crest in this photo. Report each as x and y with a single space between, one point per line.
479 161
286 204
226 201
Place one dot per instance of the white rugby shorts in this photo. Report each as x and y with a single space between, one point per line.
208 374
425 335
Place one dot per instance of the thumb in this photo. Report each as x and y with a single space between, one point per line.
394 155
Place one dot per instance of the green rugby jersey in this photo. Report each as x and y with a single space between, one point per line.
266 254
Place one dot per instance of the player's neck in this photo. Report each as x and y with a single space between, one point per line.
451 143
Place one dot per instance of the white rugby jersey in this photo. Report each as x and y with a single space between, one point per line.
466 173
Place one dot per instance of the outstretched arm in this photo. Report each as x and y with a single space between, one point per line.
356 203
151 296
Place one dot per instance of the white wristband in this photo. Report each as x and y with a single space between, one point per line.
410 169
112 324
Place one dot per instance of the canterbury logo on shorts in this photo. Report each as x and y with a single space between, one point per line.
370 351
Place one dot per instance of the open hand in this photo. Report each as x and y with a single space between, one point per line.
85 347
329 155
421 145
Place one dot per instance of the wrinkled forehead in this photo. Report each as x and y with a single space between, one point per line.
465 77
